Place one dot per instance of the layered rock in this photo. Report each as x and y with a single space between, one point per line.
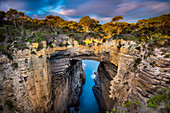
50 80
67 78
105 73
39 84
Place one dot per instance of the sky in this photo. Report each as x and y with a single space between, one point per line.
102 10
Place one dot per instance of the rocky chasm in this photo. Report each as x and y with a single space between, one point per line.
51 80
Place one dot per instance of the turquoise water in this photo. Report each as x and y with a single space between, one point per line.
88 102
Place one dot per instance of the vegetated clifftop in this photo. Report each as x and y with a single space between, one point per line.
50 79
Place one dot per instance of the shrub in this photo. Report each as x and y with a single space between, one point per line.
14 65
82 43
138 48
128 104
40 56
10 57
66 44
104 40
137 62
10 104
98 44
33 52
60 44
120 45
164 97
21 81
40 46
51 46
26 60
167 56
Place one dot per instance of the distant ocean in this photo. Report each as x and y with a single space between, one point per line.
88 102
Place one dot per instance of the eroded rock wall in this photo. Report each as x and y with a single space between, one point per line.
105 73
68 77
25 83
34 84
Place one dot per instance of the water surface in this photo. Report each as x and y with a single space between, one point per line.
88 102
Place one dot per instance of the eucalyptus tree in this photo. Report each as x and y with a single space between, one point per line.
109 28
53 22
86 22
116 18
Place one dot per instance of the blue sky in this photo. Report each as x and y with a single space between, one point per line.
102 10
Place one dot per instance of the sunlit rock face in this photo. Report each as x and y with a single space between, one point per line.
51 79
28 86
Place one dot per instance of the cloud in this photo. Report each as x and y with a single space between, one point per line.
102 10
66 12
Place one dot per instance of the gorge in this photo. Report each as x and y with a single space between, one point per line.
50 81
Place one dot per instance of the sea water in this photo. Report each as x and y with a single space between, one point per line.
88 102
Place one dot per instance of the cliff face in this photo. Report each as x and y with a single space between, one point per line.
68 77
105 73
31 83
50 80
138 77
26 83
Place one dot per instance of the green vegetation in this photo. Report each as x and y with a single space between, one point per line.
167 56
114 110
137 62
18 29
104 40
40 46
26 60
15 65
10 104
120 45
60 44
164 97
21 81
138 48
40 56
66 44
33 52
129 107
128 103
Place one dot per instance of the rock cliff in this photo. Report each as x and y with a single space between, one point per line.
105 73
50 80
36 83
